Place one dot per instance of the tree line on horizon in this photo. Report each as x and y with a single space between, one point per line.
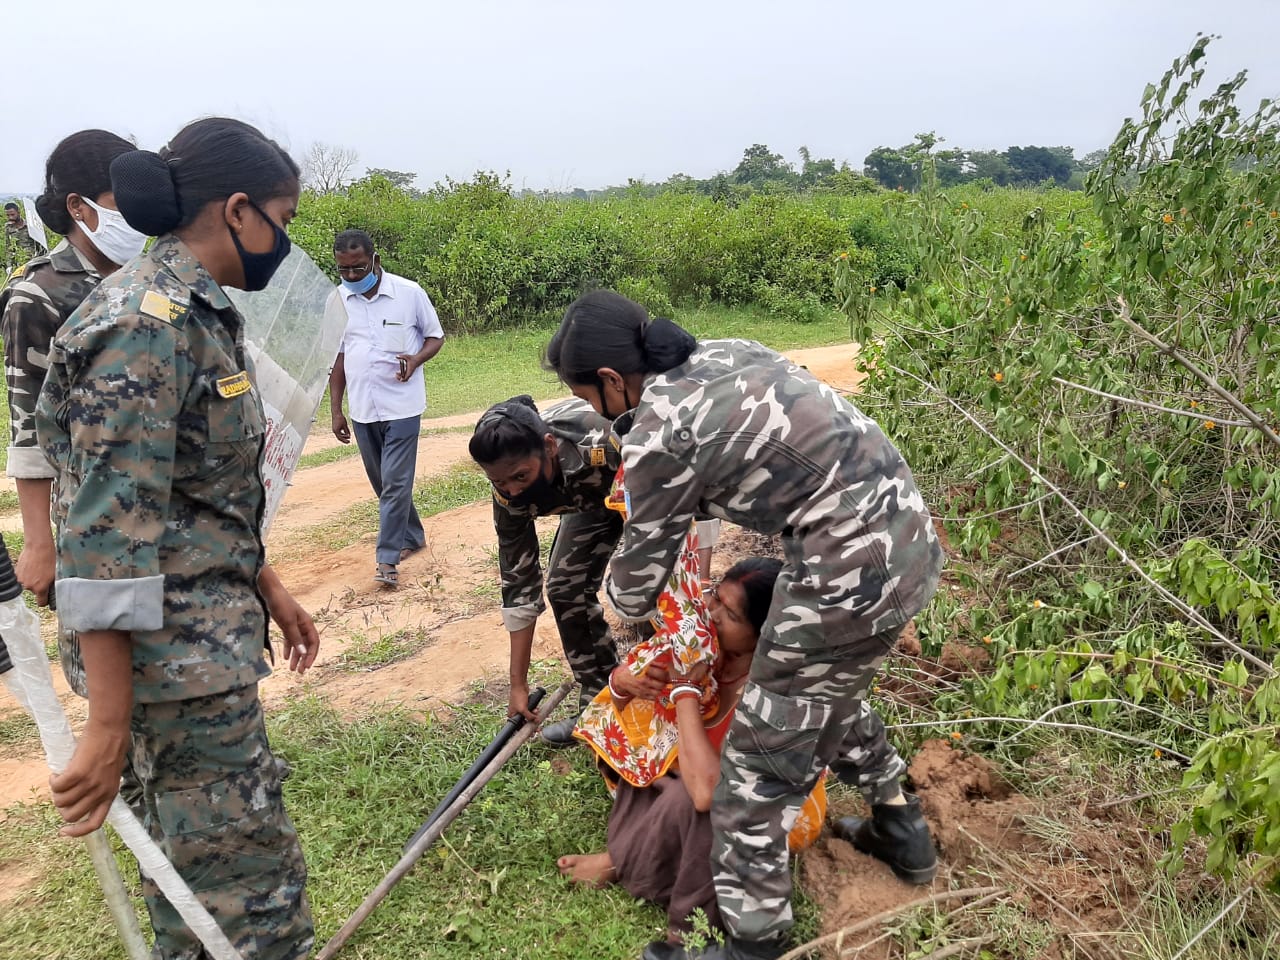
328 169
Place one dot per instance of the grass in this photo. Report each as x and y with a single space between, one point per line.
18 734
365 653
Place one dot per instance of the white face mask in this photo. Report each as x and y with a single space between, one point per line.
114 238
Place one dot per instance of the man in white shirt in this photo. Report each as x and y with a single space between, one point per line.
392 330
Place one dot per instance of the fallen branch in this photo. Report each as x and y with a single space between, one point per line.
1169 350
1055 725
1187 611
1022 875
805 949
1150 406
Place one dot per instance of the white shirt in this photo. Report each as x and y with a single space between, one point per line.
399 319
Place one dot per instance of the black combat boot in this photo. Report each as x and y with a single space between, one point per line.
732 949
896 834
560 733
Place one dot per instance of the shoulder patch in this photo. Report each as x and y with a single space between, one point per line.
597 457
233 385
160 307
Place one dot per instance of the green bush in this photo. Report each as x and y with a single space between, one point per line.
491 259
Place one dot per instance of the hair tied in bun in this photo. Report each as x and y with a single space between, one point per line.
145 192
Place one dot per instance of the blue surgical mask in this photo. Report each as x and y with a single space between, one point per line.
365 283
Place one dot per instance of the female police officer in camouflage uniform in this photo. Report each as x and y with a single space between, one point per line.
150 418
39 297
733 428
561 463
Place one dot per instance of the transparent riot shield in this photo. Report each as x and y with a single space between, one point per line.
293 329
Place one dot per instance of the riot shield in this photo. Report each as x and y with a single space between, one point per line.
293 330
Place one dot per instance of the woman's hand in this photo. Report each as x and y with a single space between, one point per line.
35 568
301 638
84 790
649 686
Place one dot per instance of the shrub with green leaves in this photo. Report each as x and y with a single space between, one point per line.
1102 397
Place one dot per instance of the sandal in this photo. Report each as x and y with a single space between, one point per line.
388 574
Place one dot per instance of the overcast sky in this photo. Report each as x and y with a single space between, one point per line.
567 93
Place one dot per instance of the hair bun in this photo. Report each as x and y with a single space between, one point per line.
55 217
145 192
666 345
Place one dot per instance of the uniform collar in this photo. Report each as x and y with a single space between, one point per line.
182 263
64 258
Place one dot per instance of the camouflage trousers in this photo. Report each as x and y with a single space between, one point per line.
212 795
803 710
580 554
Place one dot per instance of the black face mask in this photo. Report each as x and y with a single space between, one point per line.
259 268
622 424
539 488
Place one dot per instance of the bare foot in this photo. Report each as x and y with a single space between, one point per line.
588 869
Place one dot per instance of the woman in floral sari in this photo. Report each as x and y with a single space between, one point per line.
659 835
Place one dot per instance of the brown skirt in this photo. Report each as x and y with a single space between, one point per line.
661 849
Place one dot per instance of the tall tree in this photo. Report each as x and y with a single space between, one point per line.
759 165
327 168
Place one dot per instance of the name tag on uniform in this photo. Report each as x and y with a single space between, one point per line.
160 307
233 385
597 456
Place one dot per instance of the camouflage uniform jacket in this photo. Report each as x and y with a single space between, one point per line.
589 459
151 421
744 434
36 302
17 243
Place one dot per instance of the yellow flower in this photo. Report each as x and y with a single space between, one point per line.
844 255
987 638
1022 257
1033 686
964 205
1167 218
1194 404
956 735
1008 300
1209 424
1273 214
1248 223
1088 244
875 689
1157 753
873 288
998 377
1122 484
1037 603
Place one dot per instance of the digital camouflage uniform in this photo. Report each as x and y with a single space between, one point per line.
151 422
740 432
587 534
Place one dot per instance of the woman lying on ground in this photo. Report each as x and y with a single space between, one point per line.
659 835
